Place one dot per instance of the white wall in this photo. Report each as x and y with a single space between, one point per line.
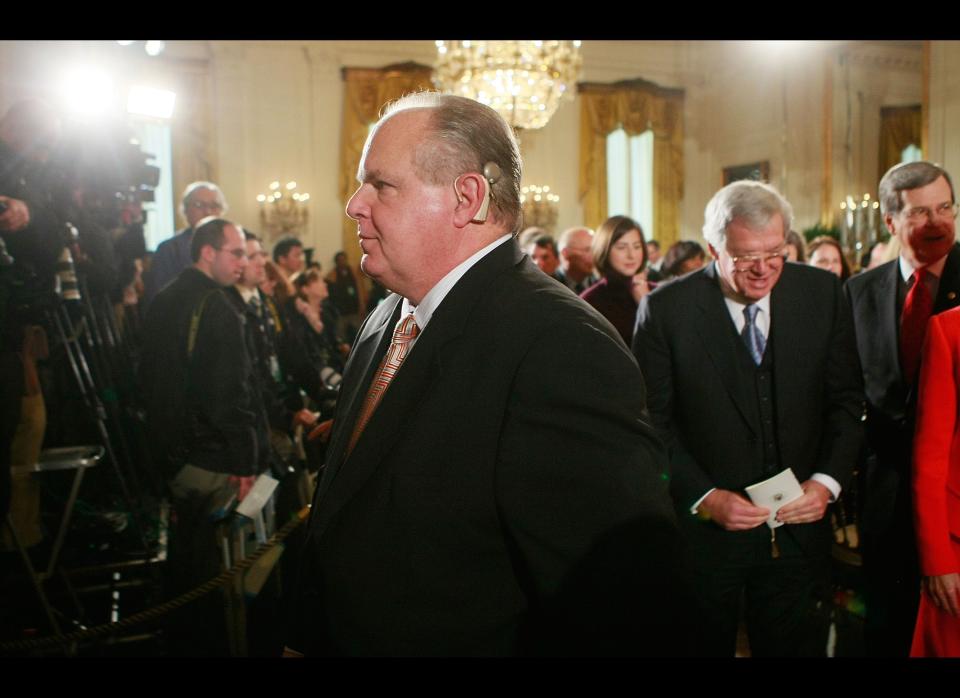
944 135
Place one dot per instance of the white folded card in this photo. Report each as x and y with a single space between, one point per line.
257 496
775 492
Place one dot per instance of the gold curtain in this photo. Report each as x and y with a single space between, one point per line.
366 91
636 106
191 135
899 127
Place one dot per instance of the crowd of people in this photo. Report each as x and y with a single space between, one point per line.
530 445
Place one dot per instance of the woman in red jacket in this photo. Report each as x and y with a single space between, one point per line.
936 490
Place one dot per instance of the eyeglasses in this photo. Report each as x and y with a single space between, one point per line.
749 261
205 205
919 213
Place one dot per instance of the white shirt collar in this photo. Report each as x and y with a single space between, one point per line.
735 308
906 268
246 293
431 301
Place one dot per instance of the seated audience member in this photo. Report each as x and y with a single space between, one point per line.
683 257
526 238
576 260
936 499
288 255
309 332
825 252
796 248
544 255
619 253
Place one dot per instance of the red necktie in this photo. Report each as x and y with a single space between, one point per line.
917 309
405 331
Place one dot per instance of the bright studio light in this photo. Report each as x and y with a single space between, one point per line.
88 91
151 102
154 48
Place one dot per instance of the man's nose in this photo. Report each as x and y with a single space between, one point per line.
357 207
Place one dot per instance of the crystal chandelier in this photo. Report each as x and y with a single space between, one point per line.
523 80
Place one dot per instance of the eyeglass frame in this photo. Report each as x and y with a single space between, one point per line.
238 253
917 213
752 259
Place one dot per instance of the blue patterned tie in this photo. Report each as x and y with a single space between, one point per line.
752 336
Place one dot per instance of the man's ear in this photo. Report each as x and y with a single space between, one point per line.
208 254
888 221
472 199
713 251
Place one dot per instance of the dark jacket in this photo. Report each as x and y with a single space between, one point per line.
171 258
706 407
612 298
202 407
504 498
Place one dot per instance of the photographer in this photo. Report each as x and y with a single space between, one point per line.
32 234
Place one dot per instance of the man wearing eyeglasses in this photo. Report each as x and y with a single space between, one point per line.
203 416
891 307
200 200
752 368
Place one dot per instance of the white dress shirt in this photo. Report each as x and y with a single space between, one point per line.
434 297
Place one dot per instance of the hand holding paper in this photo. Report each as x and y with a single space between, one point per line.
775 494
808 508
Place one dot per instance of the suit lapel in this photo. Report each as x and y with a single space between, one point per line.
358 373
720 342
401 402
790 321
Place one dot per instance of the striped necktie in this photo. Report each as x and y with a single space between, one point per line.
752 336
404 332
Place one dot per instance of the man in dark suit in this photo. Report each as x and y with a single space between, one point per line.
490 495
890 313
752 368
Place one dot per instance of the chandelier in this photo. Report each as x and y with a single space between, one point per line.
283 211
523 80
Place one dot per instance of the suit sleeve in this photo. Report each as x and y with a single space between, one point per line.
582 497
653 353
936 424
843 400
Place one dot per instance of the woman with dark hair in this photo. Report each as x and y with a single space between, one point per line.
682 258
826 253
308 333
620 254
796 250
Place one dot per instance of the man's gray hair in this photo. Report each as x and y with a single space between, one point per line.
908 175
564 241
755 203
210 186
464 136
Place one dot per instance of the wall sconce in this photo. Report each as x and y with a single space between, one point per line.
283 211
539 206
